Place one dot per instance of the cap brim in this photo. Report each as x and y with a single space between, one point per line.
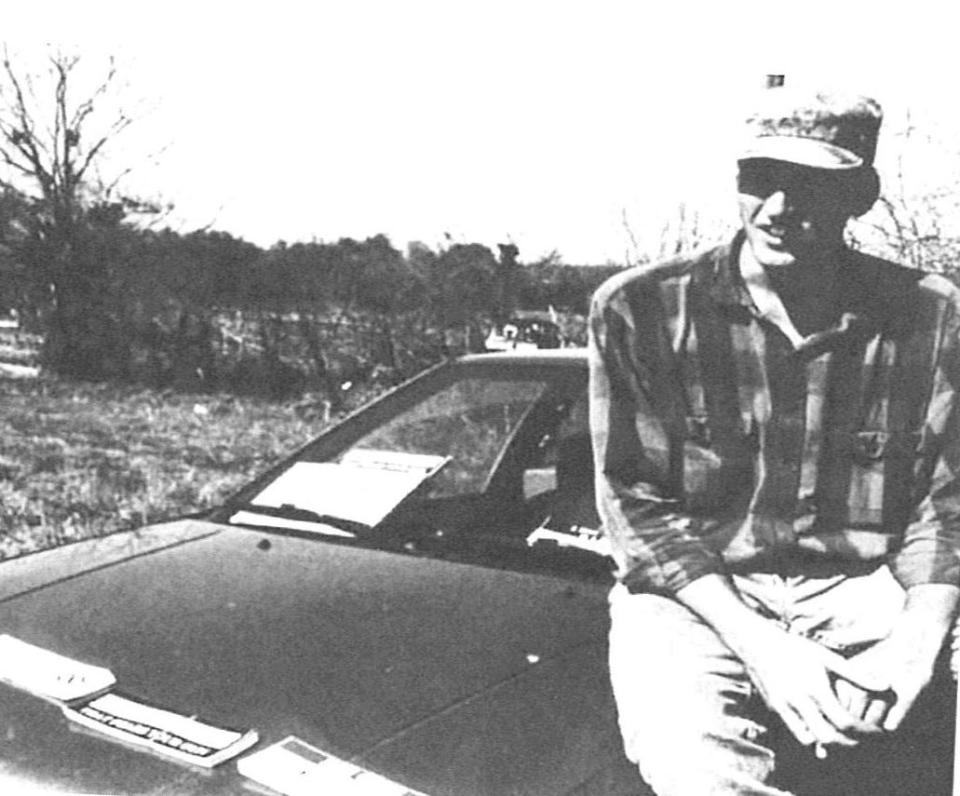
804 151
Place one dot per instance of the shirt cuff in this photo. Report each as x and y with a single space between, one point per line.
669 568
913 568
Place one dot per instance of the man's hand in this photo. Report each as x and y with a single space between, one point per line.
822 697
905 658
908 669
797 678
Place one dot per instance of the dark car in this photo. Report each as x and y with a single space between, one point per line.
420 592
526 330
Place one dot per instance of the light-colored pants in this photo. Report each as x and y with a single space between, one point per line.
690 716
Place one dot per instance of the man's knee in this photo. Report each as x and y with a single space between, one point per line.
688 712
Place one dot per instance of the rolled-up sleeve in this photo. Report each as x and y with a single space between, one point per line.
638 446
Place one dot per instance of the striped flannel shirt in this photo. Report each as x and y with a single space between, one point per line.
719 446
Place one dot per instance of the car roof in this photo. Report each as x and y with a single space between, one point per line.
532 315
558 357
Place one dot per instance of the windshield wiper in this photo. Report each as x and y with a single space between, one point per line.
287 514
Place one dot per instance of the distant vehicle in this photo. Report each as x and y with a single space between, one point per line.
526 330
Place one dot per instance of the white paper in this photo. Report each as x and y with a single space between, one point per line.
424 463
48 674
364 488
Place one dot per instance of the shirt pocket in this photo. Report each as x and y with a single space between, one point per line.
881 465
718 460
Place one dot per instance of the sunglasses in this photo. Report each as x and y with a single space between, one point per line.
762 178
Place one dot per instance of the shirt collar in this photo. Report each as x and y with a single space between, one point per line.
858 306
725 286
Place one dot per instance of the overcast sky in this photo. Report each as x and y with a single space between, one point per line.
567 126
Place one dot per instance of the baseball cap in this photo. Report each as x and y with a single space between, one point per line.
818 129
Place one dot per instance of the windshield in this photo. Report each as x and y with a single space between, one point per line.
495 461
447 442
471 421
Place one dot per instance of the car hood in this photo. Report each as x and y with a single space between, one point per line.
449 677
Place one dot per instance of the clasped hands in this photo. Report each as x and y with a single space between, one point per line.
828 700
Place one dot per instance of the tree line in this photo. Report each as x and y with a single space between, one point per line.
161 307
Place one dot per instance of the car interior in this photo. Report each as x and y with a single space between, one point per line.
537 503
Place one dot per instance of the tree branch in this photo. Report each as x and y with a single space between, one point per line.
27 139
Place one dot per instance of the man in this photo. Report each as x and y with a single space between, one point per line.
777 438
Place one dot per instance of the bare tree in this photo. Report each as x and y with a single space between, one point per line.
914 219
50 148
684 230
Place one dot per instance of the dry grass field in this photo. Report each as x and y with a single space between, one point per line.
79 459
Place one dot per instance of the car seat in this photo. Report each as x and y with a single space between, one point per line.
574 503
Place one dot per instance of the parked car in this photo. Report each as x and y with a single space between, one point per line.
525 330
419 592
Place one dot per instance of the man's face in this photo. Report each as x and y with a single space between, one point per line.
790 212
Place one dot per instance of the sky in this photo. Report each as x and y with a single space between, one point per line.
571 127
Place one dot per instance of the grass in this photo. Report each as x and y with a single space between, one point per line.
79 460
